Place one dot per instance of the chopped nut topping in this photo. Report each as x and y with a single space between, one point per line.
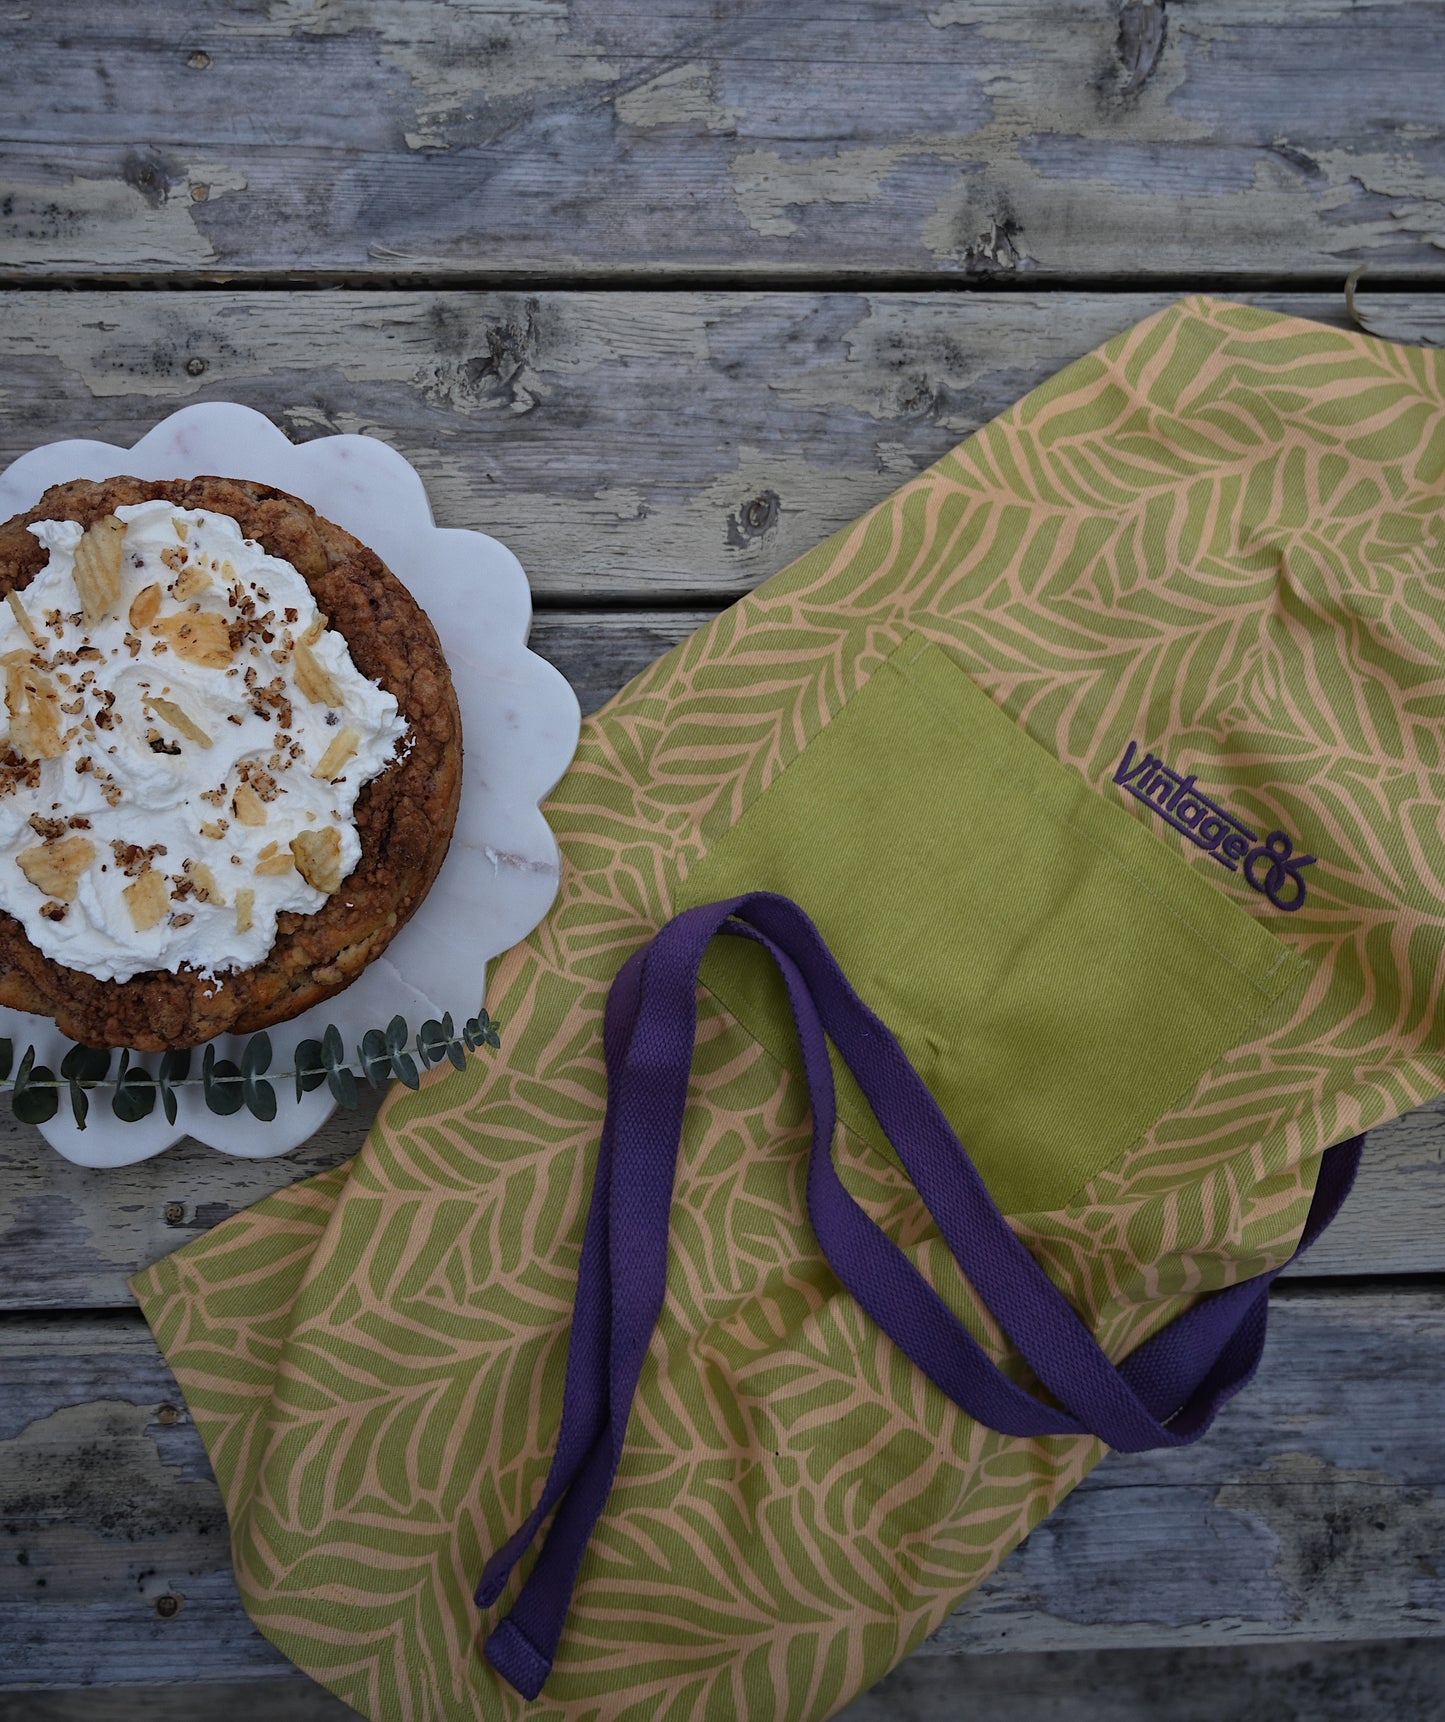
280 862
131 858
245 902
252 772
53 911
16 772
215 828
56 865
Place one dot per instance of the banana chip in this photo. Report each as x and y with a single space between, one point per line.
56 865
342 746
198 636
318 857
169 712
147 899
34 707
97 568
248 806
145 606
22 616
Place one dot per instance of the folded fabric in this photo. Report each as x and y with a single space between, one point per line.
1107 756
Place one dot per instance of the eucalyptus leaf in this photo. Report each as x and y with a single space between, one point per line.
86 1065
259 1096
38 1099
222 1086
175 1065
342 1083
374 1058
310 1067
256 1058
135 1096
453 1048
226 1086
431 1043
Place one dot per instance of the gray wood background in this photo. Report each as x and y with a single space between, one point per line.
661 297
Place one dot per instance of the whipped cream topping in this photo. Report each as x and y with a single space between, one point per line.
185 743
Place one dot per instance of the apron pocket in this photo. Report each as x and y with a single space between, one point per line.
1058 977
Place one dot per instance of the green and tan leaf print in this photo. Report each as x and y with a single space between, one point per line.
1220 538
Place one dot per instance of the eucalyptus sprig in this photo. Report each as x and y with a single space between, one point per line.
36 1091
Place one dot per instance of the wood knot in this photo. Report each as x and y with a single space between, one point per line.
754 519
1142 32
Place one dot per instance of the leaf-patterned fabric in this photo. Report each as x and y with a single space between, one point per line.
1202 569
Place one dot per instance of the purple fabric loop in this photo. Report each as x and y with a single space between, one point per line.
1165 1394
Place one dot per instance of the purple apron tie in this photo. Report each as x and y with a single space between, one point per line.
1165 1394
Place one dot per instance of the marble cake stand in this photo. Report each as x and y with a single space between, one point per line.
519 726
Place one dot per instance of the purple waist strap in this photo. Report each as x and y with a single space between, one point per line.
1165 1394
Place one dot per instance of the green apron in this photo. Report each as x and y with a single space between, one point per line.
1109 756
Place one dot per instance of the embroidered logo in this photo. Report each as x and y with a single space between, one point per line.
1271 867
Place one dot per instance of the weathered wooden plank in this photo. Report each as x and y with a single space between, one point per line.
1384 1682
70 1238
524 139
1314 1511
632 448
1399 1680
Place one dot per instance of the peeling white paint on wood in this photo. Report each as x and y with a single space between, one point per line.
52 225
515 139
629 447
